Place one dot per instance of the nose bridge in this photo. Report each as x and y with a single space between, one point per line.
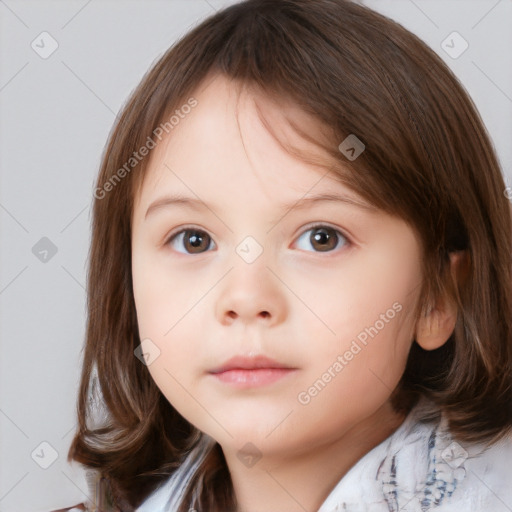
250 291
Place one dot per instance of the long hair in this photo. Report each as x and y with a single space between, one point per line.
428 159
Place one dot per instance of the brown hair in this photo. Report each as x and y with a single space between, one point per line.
428 160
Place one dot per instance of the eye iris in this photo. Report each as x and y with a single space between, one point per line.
195 239
321 235
324 238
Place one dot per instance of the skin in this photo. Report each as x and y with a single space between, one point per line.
295 303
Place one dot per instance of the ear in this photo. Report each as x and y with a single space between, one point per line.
435 326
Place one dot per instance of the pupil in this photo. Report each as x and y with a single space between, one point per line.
195 240
321 235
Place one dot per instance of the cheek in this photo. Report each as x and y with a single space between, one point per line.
347 384
165 311
365 312
345 304
161 297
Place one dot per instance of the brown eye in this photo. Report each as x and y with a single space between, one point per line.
323 238
195 241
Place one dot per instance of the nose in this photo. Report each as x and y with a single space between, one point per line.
250 293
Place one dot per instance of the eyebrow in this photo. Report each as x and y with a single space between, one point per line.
196 204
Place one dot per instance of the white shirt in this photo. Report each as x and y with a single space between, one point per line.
421 468
418 468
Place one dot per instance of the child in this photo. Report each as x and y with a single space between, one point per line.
337 335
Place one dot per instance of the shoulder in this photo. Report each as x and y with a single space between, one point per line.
489 474
77 508
169 493
433 469
158 500
421 467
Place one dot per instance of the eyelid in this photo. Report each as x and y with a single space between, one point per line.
321 224
179 229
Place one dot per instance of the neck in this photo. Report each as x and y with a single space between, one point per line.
301 481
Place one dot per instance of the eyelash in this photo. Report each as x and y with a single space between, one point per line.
183 229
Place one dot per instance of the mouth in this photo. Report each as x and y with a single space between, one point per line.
253 378
247 372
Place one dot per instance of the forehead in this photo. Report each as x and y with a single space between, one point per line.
236 132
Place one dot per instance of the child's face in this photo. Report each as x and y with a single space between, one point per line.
305 301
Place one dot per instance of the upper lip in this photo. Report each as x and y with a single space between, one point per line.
249 363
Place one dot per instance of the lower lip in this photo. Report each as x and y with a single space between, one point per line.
253 378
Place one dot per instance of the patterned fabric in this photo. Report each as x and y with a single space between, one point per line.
418 468
421 468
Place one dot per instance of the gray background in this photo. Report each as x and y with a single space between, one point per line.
56 113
